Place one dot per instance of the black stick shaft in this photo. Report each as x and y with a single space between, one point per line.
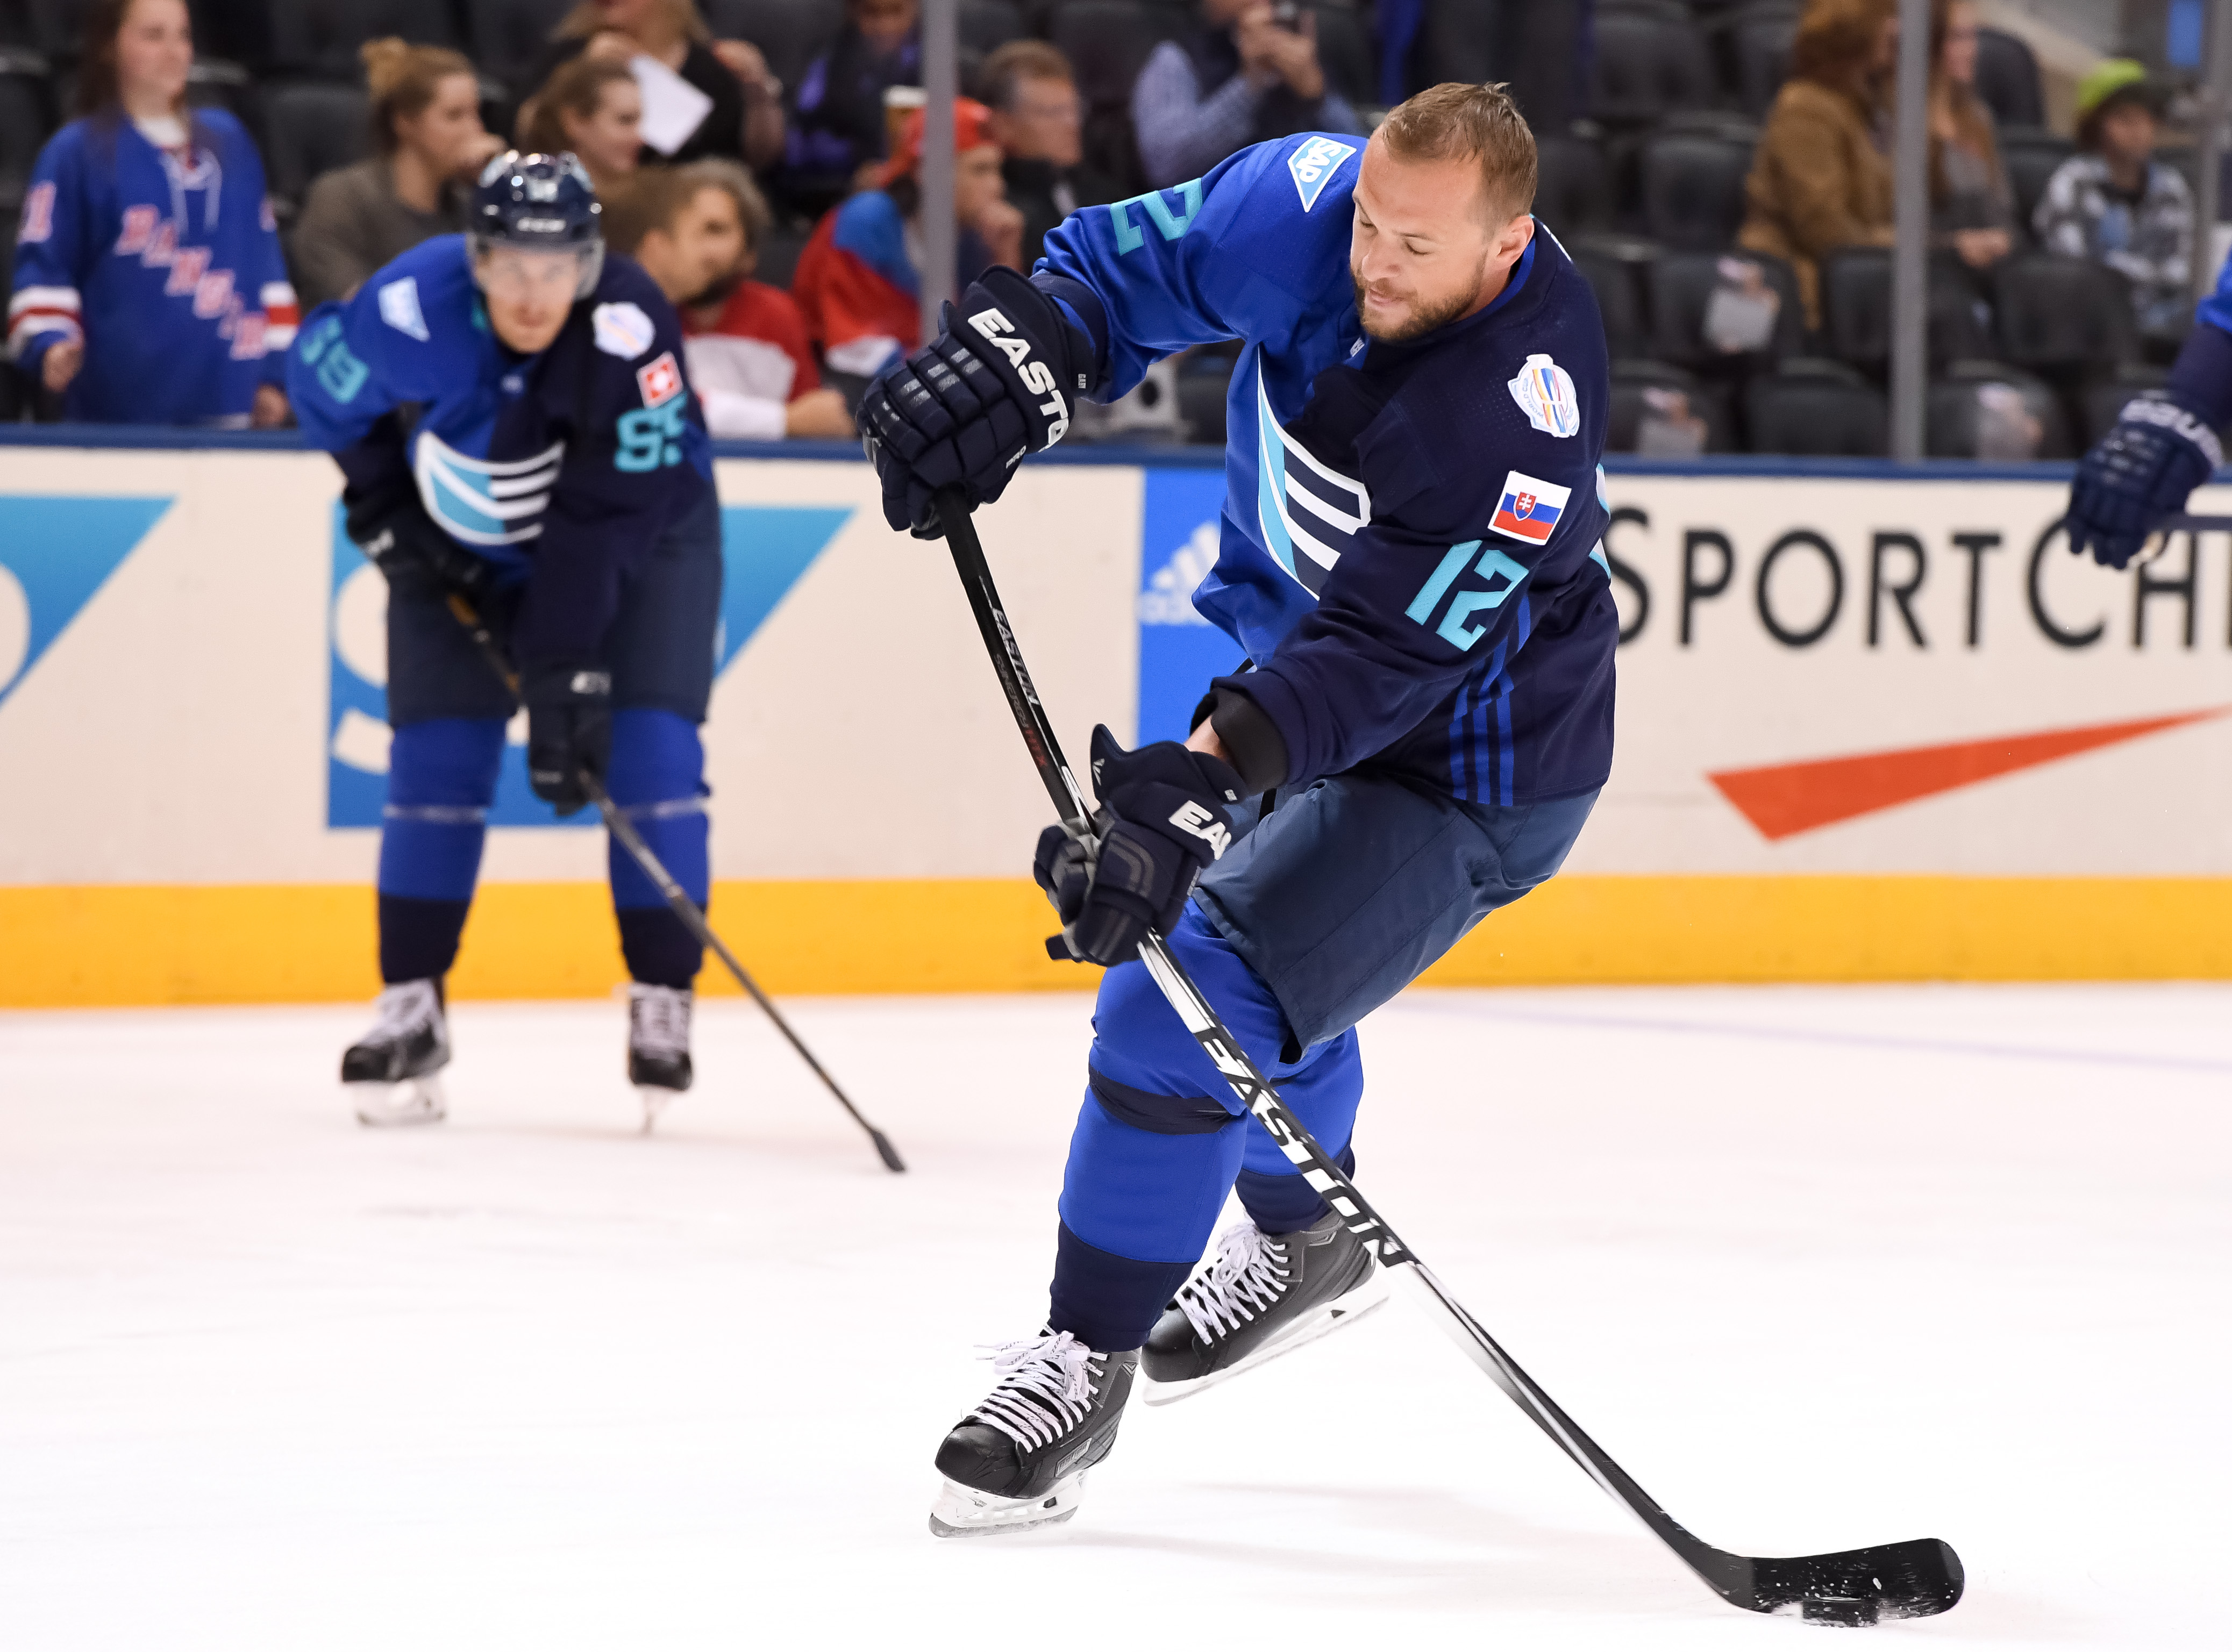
676 896
1728 1576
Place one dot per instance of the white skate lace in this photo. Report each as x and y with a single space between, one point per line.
403 1009
1045 1388
1248 1274
658 1020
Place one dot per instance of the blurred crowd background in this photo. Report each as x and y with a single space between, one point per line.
1719 169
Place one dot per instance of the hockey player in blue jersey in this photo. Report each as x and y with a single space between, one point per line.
1410 556
2162 446
511 415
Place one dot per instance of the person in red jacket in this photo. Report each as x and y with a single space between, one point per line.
858 280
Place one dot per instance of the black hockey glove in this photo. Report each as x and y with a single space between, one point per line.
569 727
394 529
998 382
2138 474
1161 822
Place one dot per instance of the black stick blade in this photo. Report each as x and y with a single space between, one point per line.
893 1162
1915 1579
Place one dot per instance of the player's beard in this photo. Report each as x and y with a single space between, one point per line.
1422 320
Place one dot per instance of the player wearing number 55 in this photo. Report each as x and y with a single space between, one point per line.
517 433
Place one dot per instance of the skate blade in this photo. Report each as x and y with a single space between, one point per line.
386 1106
1336 1315
964 1511
655 1099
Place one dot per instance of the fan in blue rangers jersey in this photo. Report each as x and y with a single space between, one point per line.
149 287
1411 556
511 414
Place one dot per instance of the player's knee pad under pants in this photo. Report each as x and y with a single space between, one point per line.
1159 1141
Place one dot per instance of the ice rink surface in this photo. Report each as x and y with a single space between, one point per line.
1820 1268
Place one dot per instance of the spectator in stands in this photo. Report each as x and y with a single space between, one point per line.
1038 121
837 136
693 230
1971 207
429 144
857 280
1819 182
1250 72
743 118
2114 202
593 107
149 288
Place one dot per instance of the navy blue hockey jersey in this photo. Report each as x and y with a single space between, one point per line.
562 467
165 263
1410 536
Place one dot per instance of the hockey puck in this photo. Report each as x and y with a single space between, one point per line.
1852 1611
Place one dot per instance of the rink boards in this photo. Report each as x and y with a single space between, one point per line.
1874 723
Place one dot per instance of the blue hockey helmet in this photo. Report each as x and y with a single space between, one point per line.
538 203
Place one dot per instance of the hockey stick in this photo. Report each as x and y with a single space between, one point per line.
1914 1579
676 899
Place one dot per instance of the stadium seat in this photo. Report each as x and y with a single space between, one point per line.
1754 46
2031 156
1205 380
2067 316
1110 42
215 83
320 37
1457 38
2008 79
55 26
506 37
1856 309
1653 410
26 117
2100 404
987 25
1681 286
1609 265
1693 188
1818 410
1573 191
313 127
1989 410
1347 52
790 34
1647 64
779 248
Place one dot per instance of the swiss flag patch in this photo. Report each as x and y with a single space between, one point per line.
660 380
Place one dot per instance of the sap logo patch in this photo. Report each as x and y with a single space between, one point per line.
622 330
1313 165
660 380
1545 393
1529 509
399 307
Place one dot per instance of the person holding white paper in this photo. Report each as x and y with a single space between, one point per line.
677 63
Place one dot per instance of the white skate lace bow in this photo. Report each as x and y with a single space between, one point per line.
659 1021
1045 1388
403 1009
1248 1274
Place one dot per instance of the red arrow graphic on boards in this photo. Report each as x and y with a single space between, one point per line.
1785 799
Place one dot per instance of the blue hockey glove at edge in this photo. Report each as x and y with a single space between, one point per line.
997 383
1162 822
2136 475
569 727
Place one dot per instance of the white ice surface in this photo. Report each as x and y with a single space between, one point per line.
1819 1267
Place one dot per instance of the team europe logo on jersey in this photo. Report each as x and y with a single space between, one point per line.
1313 165
483 502
1545 393
1309 512
1529 509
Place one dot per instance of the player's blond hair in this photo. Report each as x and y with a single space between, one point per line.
1457 121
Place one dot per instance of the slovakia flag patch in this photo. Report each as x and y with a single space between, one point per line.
1530 508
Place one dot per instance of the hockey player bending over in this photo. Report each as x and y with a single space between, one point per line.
510 412
1410 556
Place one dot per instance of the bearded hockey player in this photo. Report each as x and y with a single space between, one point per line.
1410 557
511 414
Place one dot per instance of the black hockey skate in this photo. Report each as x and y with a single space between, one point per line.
659 1046
1019 1459
393 1072
1259 1295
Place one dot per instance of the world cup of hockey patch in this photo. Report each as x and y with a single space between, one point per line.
1545 393
660 380
1529 509
1313 165
622 330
